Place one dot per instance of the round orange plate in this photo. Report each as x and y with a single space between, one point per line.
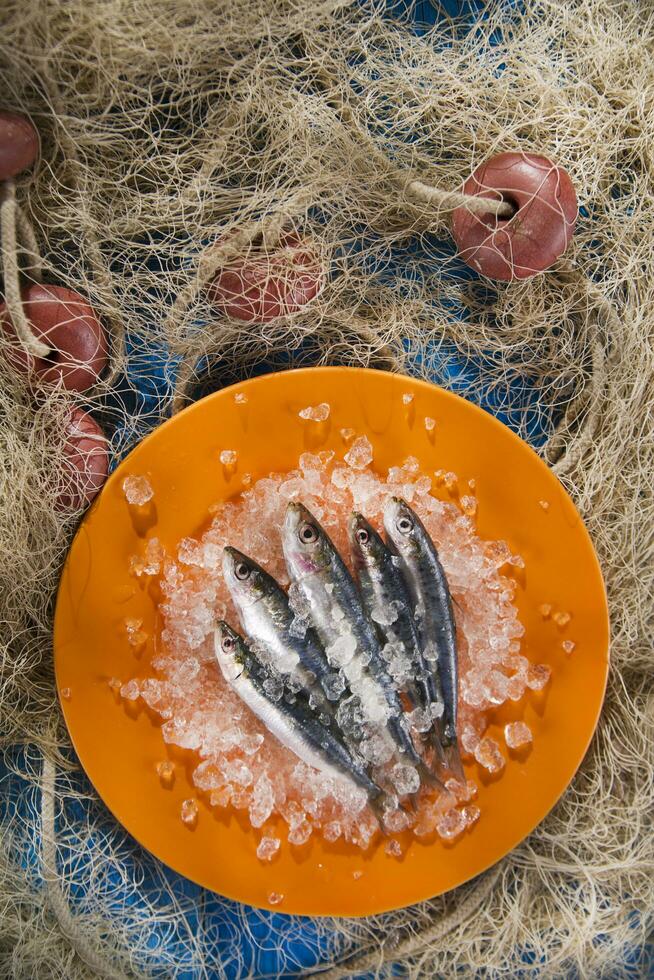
119 743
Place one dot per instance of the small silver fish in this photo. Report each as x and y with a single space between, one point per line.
267 618
292 722
386 597
431 597
343 625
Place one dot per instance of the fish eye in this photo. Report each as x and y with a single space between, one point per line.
362 536
308 534
241 571
404 525
228 643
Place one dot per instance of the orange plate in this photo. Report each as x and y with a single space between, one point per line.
120 743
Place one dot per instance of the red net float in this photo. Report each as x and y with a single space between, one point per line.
67 324
85 461
539 231
260 287
19 144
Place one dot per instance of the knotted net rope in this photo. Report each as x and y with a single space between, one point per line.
172 128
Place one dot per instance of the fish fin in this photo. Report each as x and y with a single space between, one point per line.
429 777
453 762
412 801
376 805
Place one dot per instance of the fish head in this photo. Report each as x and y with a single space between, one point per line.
307 548
402 527
367 546
246 581
230 651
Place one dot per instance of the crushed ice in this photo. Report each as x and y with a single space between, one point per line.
239 763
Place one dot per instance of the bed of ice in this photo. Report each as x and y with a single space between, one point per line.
239 764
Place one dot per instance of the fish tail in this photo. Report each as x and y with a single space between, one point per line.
432 743
453 762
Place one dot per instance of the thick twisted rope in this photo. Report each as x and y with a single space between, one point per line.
54 893
8 215
462 913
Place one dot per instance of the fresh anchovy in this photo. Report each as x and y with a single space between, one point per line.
268 619
342 624
292 721
388 603
433 603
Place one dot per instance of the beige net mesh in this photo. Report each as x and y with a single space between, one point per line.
177 134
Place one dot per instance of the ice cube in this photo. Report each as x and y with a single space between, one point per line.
393 848
405 779
487 753
568 645
450 824
397 820
517 734
332 831
470 814
386 615
350 716
138 490
273 685
430 424
130 690
469 739
316 413
262 803
240 398
341 651
166 773
189 813
275 898
268 847
300 833
235 771
407 398
376 749
515 687
189 551
537 676
333 685
401 669
469 505
250 744
347 435
360 454
420 719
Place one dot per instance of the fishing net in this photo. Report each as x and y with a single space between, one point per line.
180 134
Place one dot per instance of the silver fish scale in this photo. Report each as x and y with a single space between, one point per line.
345 595
436 623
